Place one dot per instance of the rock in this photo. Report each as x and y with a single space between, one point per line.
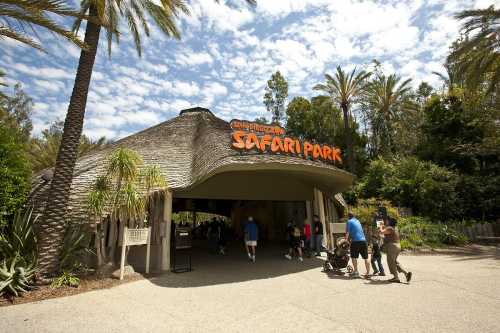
127 270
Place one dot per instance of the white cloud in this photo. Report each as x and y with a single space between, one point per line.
193 59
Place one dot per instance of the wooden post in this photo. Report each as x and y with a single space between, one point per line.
167 224
322 217
124 248
148 250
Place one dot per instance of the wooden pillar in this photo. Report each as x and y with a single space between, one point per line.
318 196
167 225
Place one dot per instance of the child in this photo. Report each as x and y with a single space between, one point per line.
377 256
294 243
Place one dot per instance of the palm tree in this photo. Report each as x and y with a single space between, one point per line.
478 54
109 14
18 15
386 99
343 89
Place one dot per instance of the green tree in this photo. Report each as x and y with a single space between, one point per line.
18 16
343 89
43 150
275 96
321 121
387 101
15 171
19 108
110 14
476 55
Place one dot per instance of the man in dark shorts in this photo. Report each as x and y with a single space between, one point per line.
354 231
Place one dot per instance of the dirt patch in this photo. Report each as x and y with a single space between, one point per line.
87 283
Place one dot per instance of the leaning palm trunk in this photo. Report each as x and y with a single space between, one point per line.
52 226
348 138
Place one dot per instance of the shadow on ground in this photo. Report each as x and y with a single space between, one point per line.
212 269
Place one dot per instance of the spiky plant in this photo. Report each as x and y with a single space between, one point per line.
18 16
15 276
343 88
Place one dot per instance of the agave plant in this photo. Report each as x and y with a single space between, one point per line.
15 276
18 237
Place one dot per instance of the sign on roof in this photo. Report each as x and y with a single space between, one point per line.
247 136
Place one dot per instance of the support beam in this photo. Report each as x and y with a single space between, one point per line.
167 225
318 196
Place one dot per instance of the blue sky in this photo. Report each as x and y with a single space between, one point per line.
228 53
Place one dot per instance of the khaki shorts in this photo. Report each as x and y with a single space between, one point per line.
251 243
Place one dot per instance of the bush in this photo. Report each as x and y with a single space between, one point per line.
17 238
366 208
77 243
65 279
416 231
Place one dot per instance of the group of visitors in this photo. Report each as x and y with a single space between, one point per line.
387 240
304 241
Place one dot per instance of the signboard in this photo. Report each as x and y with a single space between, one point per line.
248 136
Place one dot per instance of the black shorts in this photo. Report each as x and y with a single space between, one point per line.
358 248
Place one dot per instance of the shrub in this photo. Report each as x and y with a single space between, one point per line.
76 244
15 276
17 238
65 279
366 208
416 231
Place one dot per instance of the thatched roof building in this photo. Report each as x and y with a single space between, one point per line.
195 154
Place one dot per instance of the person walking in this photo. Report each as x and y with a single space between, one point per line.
392 247
251 235
376 258
318 235
294 243
307 239
354 231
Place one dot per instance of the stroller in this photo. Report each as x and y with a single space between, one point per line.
338 259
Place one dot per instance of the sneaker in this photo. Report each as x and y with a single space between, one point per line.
375 272
408 277
395 280
381 274
300 259
354 275
289 257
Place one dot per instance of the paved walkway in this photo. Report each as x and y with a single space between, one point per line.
450 293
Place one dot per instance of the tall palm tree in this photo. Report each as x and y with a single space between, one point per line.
478 54
109 14
18 15
386 98
343 89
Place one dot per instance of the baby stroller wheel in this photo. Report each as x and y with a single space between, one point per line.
349 269
326 267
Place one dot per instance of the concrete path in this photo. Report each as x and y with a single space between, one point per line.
450 293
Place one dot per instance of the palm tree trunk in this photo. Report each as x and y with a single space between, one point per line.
348 137
52 225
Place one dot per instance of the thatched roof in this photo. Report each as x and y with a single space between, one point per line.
190 149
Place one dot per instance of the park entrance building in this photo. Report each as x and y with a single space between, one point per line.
235 169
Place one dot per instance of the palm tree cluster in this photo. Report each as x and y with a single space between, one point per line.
477 55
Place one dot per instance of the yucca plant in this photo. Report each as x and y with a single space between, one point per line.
76 244
15 276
